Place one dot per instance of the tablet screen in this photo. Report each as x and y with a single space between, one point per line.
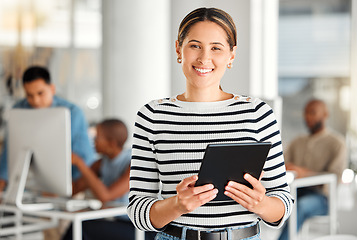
225 162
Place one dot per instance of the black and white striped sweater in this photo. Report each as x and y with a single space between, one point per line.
170 138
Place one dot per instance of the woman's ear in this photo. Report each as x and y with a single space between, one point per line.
233 54
178 48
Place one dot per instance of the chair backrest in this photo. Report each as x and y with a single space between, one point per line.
337 237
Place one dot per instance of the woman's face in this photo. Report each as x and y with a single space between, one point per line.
205 54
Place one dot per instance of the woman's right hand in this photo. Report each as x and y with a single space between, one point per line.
189 197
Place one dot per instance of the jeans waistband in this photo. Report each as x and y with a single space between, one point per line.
191 234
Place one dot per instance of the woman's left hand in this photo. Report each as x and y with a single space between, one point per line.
252 199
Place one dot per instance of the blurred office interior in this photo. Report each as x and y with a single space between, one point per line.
111 57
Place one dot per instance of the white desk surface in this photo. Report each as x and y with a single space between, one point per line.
76 217
85 214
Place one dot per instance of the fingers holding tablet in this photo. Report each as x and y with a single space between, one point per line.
250 198
228 162
189 197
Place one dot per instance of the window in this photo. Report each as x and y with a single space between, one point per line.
314 55
65 36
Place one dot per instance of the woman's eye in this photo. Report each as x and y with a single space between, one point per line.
195 46
216 48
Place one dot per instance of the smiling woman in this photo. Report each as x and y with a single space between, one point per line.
205 54
172 134
206 45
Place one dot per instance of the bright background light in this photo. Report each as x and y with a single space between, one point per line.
348 176
93 103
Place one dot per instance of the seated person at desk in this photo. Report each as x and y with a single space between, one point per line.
323 150
108 180
40 93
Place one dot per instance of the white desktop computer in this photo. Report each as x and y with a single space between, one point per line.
39 155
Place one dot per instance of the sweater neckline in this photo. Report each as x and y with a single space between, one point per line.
205 105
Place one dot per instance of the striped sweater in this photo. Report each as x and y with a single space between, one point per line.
170 138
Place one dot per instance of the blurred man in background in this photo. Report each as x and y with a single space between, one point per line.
40 93
322 150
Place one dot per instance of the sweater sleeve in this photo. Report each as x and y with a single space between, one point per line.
144 174
274 178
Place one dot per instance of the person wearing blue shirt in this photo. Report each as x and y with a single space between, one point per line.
40 93
108 180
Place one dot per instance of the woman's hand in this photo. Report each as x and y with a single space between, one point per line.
189 197
252 199
270 209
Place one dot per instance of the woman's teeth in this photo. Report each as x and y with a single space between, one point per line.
204 70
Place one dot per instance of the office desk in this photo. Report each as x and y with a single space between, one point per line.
21 224
320 179
76 217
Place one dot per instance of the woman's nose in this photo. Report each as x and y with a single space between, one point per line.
204 57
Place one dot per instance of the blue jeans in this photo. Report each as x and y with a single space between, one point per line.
309 203
165 236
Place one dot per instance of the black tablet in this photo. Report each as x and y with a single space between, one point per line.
225 162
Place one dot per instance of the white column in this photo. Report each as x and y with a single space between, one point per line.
353 68
264 48
135 57
256 51
264 16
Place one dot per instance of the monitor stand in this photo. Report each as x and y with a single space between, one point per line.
17 182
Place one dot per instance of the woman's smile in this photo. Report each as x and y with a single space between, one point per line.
203 71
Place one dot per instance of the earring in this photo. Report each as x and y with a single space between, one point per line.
229 65
179 60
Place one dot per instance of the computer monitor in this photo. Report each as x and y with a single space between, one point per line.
39 143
